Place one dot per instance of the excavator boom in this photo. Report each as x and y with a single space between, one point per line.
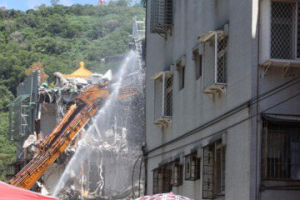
87 104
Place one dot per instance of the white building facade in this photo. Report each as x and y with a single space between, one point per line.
222 98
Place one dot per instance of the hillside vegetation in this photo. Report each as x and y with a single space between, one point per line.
58 38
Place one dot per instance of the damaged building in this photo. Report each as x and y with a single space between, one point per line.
39 108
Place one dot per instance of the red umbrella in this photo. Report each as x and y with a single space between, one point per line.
9 192
165 196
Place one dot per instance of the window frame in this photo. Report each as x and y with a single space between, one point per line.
215 59
161 17
163 95
177 179
162 179
295 34
192 175
210 185
198 62
277 166
180 66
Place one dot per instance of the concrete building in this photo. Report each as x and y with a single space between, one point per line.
222 99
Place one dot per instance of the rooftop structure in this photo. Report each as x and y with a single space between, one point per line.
82 72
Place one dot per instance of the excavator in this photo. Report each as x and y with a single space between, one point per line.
86 105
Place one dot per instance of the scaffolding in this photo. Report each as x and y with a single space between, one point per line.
21 119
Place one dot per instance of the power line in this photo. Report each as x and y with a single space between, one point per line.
220 131
232 111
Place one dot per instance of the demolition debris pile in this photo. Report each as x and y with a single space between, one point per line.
107 163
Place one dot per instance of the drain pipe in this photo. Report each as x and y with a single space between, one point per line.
257 150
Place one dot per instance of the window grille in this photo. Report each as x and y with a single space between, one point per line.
162 179
213 170
215 60
281 151
163 99
161 19
285 37
177 171
192 167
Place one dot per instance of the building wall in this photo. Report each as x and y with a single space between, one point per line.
283 101
48 118
192 108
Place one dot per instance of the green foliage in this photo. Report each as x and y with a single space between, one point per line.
60 37
7 150
6 97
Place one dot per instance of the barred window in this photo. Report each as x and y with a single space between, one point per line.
285 37
162 179
177 171
192 167
281 151
161 19
215 60
214 170
163 97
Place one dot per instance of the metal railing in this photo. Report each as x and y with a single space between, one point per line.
161 19
163 101
215 60
281 152
285 27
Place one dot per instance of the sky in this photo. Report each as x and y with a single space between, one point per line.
31 4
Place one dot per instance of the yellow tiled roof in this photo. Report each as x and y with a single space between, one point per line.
82 72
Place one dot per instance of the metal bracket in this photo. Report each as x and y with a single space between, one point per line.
266 69
286 68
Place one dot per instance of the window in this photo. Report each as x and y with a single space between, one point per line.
177 171
181 71
281 151
214 170
192 167
198 64
180 65
163 99
162 179
161 19
285 41
215 59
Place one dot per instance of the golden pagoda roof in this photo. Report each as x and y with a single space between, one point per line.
82 72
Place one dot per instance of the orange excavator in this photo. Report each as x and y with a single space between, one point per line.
86 105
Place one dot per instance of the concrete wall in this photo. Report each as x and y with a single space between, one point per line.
282 101
192 108
48 118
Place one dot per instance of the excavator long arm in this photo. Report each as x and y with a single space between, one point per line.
86 105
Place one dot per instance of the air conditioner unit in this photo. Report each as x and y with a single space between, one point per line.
163 83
